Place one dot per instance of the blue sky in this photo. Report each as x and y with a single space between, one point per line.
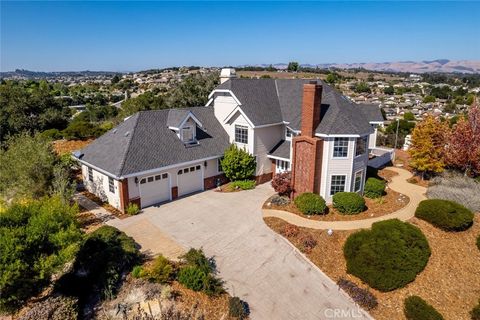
127 36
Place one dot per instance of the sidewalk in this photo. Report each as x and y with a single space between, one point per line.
93 207
399 183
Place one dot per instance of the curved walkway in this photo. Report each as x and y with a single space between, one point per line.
399 183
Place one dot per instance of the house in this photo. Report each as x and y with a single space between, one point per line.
303 126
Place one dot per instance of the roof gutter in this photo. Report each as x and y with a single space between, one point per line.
96 168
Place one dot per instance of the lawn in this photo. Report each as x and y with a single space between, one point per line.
450 282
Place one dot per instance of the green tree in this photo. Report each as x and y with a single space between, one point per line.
238 164
389 90
115 79
429 99
193 91
362 87
409 116
293 66
36 240
145 101
332 77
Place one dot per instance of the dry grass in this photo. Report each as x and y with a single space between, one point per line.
67 146
450 282
456 187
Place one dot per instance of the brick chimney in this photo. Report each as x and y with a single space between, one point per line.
307 150
311 107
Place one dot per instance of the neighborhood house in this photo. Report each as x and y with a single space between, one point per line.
297 125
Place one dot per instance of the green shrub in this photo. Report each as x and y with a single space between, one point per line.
237 308
132 209
104 257
160 271
138 272
36 240
475 313
197 274
80 129
416 308
445 214
192 277
310 203
388 256
244 184
374 188
51 134
238 164
348 202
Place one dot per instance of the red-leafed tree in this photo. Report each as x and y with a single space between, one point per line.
282 183
463 150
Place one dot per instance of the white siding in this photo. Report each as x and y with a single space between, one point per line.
223 105
239 119
100 188
372 139
265 139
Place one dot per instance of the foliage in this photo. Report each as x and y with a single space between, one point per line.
198 273
457 187
132 209
62 184
333 77
463 151
160 271
137 272
51 134
362 87
79 130
290 231
445 214
238 164
418 309
193 91
26 167
145 101
429 99
307 242
237 308
310 203
363 297
29 106
348 202
282 183
374 188
293 66
244 184
53 308
104 257
427 149
388 256
389 90
475 313
37 238
409 116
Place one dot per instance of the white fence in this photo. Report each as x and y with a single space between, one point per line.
382 156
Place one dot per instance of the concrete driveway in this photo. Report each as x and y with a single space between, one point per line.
258 265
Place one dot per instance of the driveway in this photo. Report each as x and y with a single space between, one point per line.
258 265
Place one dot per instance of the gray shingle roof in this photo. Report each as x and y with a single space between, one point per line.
268 101
372 112
176 116
149 143
281 150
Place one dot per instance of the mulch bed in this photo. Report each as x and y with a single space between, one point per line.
387 204
67 146
88 221
450 281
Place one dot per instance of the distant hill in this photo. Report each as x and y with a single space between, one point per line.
440 65
27 74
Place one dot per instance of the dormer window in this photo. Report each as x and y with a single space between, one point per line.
187 134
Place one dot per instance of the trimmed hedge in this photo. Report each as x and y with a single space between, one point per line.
348 202
416 308
310 203
445 214
388 256
374 188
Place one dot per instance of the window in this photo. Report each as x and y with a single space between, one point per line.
187 134
340 148
165 176
360 146
158 177
197 168
150 179
185 170
192 169
241 134
282 166
219 164
143 181
90 174
179 172
337 184
358 181
111 186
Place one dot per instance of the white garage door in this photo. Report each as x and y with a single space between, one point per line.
190 180
154 189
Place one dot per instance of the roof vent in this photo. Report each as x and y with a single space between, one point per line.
77 154
127 133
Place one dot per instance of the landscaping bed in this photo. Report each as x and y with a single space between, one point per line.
62 147
450 281
105 205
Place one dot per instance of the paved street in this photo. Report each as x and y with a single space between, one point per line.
258 265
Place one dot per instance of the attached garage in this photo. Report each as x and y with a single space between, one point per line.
154 189
190 180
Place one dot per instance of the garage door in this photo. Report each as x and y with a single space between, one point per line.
190 180
154 189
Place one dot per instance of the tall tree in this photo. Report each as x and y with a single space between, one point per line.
463 151
428 146
293 66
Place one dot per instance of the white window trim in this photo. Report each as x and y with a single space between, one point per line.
218 165
366 147
282 166
361 180
110 179
329 190
333 148
244 127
